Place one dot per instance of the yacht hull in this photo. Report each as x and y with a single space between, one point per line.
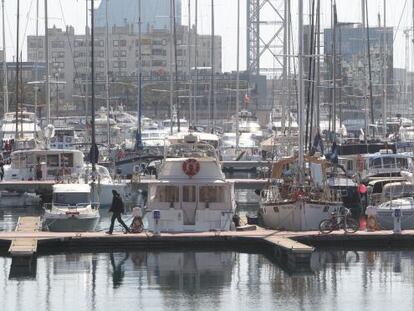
71 223
300 215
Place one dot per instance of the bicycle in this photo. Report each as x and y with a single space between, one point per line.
338 221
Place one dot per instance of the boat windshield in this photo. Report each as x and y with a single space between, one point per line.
191 151
70 198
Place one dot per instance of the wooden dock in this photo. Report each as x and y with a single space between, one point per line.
294 249
25 246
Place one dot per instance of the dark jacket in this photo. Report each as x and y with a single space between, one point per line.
117 206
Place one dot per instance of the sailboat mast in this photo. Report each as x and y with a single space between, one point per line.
385 86
138 139
94 148
108 125
285 60
195 60
301 96
212 101
47 93
190 88
171 66
334 22
17 68
36 98
238 77
86 61
5 84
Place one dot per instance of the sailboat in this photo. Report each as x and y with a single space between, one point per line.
298 197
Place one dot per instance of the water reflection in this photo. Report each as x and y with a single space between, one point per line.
138 280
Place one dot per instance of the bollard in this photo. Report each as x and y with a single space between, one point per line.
156 215
396 214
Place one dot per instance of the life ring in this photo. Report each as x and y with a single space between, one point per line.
191 167
360 163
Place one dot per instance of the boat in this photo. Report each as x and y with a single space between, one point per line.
286 204
17 199
191 192
385 213
71 209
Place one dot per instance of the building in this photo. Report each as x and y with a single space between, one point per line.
155 13
352 66
70 60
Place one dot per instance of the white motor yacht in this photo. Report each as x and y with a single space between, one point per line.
191 192
385 213
71 209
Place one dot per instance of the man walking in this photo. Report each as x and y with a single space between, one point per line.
117 209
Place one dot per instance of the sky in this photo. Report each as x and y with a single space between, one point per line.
72 12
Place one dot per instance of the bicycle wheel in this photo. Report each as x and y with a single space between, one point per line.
351 225
325 226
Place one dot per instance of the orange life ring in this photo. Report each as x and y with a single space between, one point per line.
191 167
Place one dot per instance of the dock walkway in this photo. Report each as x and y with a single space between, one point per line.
23 246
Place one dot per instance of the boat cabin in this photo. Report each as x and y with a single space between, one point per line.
40 164
71 195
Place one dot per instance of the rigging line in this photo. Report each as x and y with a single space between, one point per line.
70 45
10 33
399 22
27 24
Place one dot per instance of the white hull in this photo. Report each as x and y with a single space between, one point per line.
174 220
297 215
386 219
71 224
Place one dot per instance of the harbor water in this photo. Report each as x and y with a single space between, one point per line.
338 280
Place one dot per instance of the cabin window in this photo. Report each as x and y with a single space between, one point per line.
68 198
66 160
166 194
189 193
213 194
52 160
389 162
375 163
402 162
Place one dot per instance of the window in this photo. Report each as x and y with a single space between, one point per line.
159 63
115 43
159 52
52 160
375 163
212 194
189 193
58 44
166 194
122 43
116 54
402 163
389 162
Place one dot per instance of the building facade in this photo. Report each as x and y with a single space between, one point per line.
69 56
352 67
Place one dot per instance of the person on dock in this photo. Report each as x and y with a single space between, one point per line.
117 209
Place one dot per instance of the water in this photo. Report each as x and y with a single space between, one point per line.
339 280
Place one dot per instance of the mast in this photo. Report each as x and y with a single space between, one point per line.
171 66
365 78
285 60
94 148
318 61
86 62
177 104
334 22
17 69
301 96
47 93
108 125
190 88
5 84
385 86
36 88
371 101
211 102
138 138
195 60
238 76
